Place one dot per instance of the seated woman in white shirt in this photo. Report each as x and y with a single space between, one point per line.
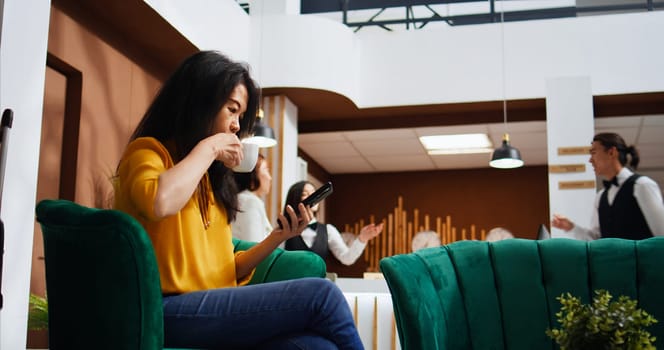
629 206
251 222
323 238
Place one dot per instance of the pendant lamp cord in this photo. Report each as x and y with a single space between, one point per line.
260 43
502 45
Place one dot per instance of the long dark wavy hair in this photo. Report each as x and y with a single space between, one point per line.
609 139
184 111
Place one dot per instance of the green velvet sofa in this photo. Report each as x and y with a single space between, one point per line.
102 281
502 295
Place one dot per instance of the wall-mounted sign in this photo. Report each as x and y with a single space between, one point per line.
575 185
567 168
573 151
373 276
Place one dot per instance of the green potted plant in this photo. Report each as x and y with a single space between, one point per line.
37 323
37 313
602 324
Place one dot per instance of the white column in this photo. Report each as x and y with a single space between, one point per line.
569 123
24 37
281 115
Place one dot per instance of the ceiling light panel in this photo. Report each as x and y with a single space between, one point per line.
457 144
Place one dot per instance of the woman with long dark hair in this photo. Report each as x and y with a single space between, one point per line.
629 206
251 223
322 238
175 178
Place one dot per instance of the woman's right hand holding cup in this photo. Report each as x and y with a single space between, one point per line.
227 148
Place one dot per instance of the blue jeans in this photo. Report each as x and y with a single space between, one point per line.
308 313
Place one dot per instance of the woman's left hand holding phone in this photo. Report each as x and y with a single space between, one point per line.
290 224
247 261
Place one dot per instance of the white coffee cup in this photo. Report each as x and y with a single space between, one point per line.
250 152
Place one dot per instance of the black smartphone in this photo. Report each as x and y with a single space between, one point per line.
320 194
314 198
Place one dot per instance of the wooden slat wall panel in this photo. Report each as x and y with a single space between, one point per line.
399 231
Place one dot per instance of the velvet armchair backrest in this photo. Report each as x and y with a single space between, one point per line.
102 280
502 295
283 265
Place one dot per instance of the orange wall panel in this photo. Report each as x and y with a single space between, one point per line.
116 92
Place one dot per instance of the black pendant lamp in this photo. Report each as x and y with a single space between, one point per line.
505 156
263 133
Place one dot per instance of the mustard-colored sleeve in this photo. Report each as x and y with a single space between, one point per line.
244 281
143 162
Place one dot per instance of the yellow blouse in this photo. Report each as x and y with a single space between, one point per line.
190 256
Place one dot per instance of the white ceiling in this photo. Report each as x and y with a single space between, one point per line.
396 150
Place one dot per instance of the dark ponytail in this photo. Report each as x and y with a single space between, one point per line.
634 157
609 139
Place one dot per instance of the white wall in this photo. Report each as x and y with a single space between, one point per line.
23 63
209 24
463 64
309 52
436 65
288 7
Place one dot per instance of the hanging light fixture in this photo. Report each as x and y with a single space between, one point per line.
505 156
263 133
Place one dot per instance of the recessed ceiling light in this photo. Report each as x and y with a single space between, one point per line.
457 144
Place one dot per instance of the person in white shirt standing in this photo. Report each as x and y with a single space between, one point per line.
251 221
629 206
321 238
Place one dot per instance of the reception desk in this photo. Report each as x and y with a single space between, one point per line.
371 304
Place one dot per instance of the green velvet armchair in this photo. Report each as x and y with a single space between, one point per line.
502 295
102 279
